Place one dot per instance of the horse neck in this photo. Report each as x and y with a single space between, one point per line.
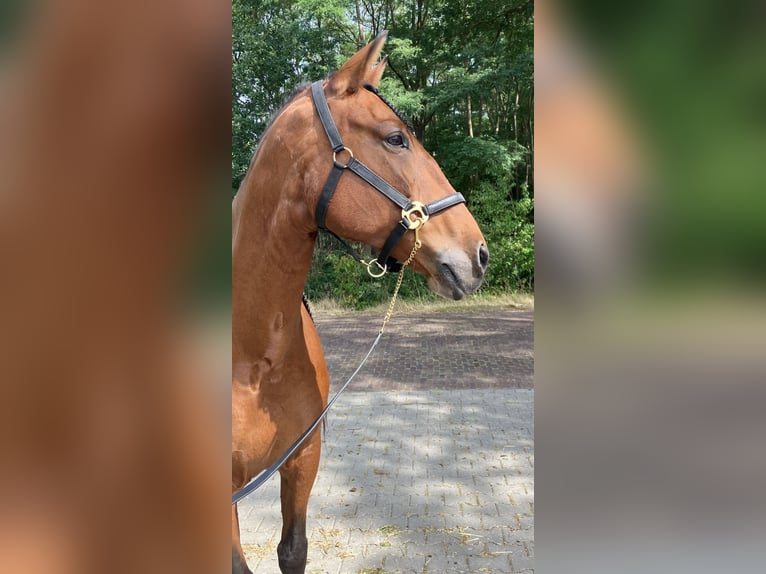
271 255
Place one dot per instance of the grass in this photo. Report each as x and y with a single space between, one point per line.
480 301
390 530
258 550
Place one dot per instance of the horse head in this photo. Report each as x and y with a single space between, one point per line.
453 255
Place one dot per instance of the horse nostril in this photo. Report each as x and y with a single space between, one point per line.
483 256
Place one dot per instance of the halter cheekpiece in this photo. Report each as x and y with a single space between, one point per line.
414 213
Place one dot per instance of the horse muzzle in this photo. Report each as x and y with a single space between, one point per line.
459 273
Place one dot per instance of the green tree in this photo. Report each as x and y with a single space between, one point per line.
461 70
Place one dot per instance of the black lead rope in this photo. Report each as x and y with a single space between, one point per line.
276 465
269 472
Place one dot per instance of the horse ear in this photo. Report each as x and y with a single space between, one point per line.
361 68
376 72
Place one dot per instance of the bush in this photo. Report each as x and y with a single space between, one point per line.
510 236
339 277
485 171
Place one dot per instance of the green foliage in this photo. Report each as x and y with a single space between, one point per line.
468 161
487 173
342 279
275 47
410 103
509 232
461 70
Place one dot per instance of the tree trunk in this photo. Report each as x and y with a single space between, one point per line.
360 39
479 118
470 120
531 105
498 112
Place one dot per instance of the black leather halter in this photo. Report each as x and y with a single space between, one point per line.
414 213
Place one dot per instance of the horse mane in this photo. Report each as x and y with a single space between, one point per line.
305 300
303 86
400 115
297 91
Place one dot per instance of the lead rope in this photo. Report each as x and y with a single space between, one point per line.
269 472
399 278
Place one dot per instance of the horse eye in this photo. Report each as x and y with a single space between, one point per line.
396 140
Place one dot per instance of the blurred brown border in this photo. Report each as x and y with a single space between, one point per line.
115 145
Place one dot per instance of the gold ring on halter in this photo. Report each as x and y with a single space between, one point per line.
342 165
368 264
418 211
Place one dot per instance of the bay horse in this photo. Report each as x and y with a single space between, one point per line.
279 378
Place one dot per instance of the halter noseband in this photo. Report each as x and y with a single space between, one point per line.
414 213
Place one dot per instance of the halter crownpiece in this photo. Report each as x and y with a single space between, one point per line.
414 213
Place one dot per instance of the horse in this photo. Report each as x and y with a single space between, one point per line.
296 185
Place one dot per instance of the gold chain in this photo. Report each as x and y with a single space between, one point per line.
399 280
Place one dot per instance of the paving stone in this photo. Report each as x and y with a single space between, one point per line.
438 478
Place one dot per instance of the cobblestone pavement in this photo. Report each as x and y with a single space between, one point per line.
428 463
437 350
